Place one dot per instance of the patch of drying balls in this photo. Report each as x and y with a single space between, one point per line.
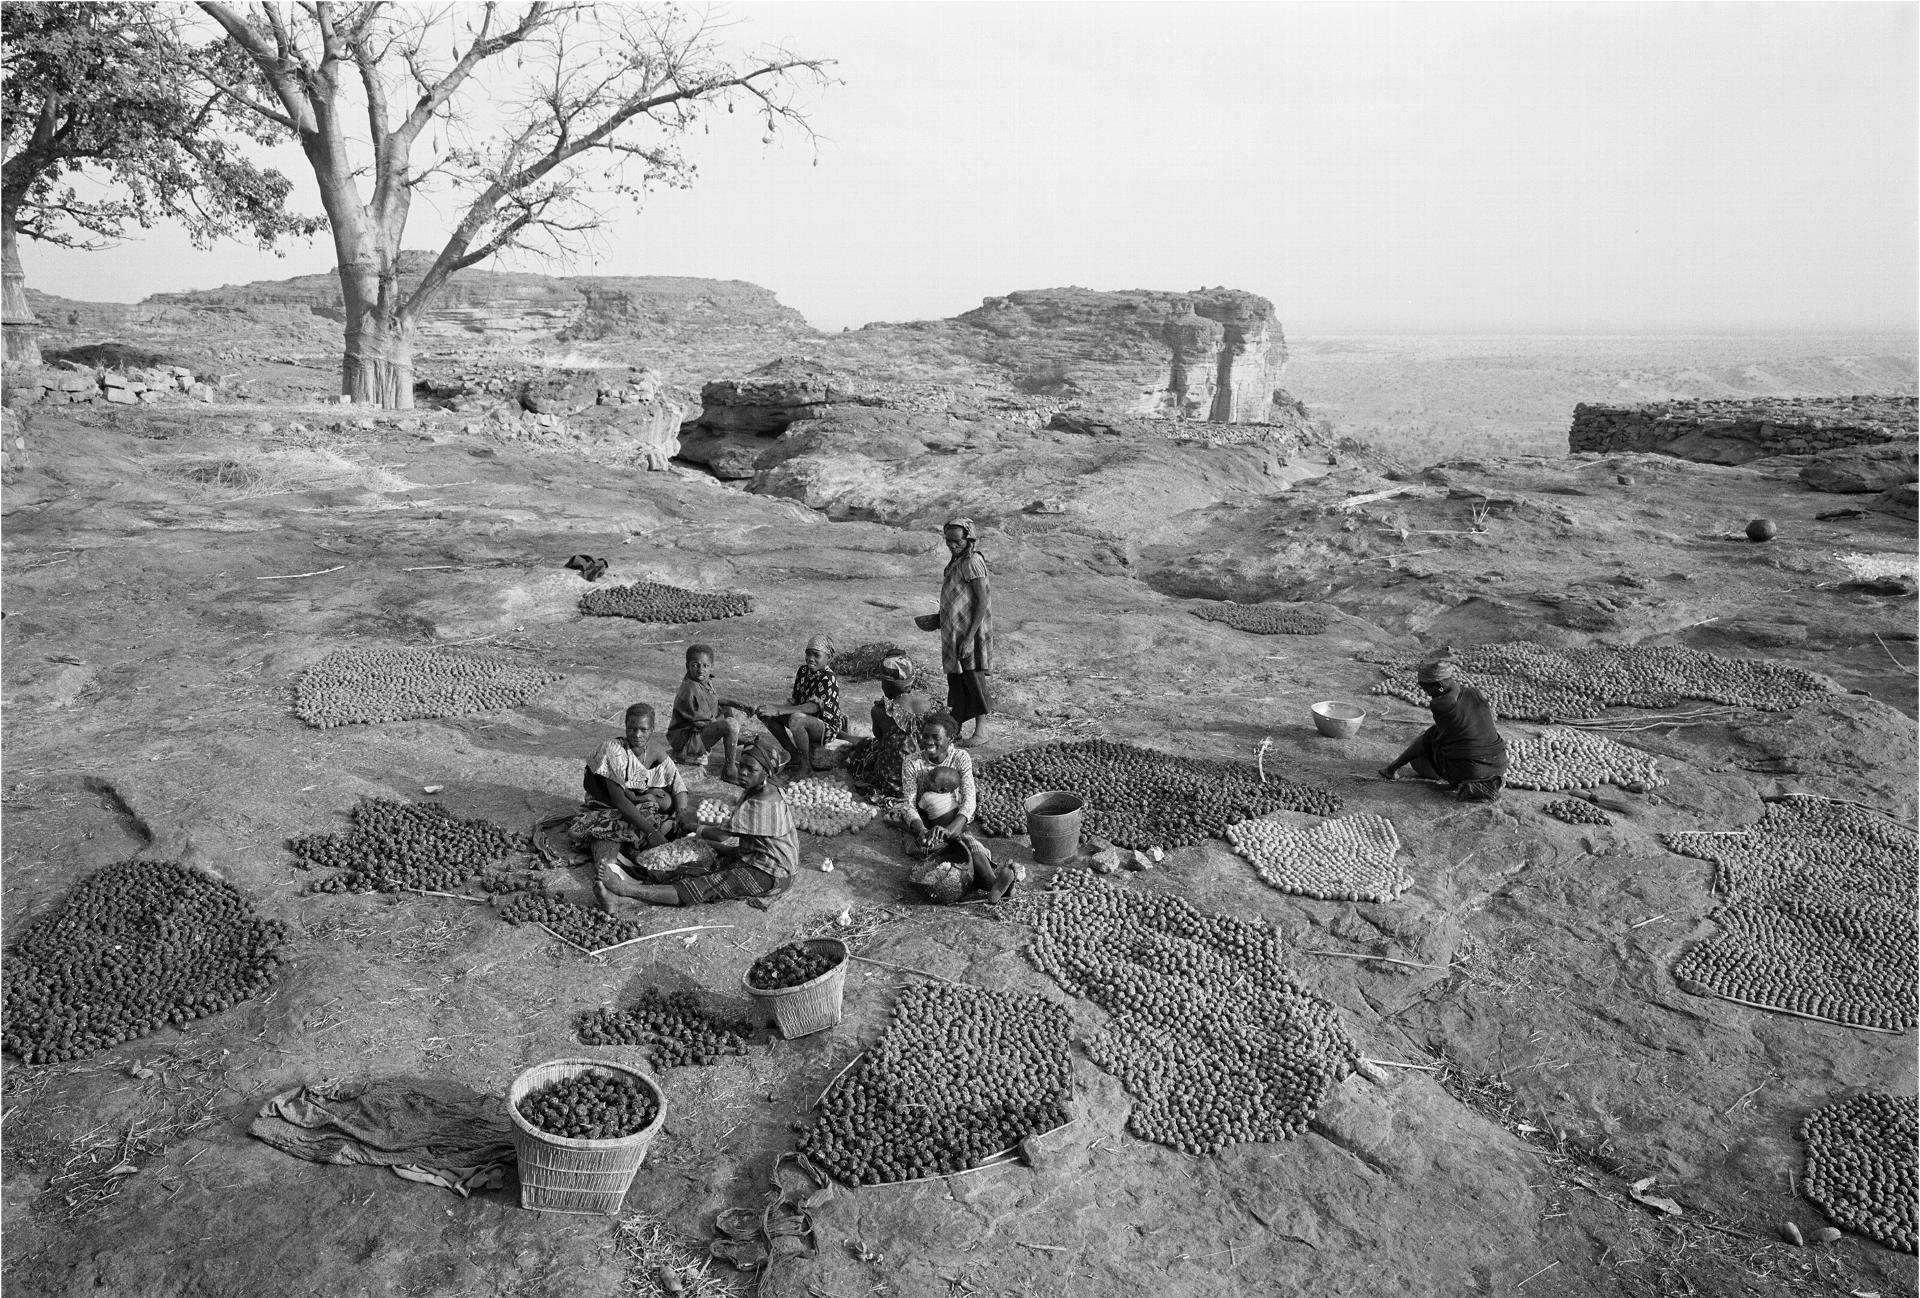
398 846
670 1026
655 601
1576 811
827 807
1531 682
961 1074
584 927
1267 619
1819 915
357 686
1136 797
135 947
1349 859
1861 1165
1210 1031
598 1104
1559 759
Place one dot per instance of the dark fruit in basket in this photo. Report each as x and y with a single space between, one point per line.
790 966
599 1104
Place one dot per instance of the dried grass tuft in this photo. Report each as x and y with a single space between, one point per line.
648 1250
251 474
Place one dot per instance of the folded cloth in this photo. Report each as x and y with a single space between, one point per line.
423 1129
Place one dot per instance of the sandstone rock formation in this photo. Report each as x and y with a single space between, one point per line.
1737 432
778 394
1862 469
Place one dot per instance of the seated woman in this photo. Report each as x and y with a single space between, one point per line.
812 719
1462 747
634 794
942 763
758 850
873 765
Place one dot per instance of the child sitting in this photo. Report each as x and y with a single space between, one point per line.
701 718
811 719
942 796
634 794
758 850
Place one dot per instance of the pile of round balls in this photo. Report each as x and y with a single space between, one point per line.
1210 1032
1559 759
1576 811
397 846
592 929
1136 797
827 807
671 1026
1819 915
714 811
1861 1165
1267 619
598 1104
354 686
1531 682
961 1074
133 948
791 966
1349 859
654 601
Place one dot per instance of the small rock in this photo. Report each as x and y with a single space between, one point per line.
1762 529
1826 1235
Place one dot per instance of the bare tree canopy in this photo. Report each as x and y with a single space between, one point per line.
520 119
110 120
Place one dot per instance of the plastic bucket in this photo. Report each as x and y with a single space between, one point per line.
1338 720
558 1174
1053 826
813 1006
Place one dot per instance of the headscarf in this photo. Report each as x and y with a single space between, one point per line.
1438 672
964 526
897 668
824 643
768 753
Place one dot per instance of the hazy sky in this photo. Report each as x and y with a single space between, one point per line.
1559 167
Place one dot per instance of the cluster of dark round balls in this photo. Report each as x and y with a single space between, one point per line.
961 1074
671 1026
790 966
1819 916
594 1105
352 686
396 846
580 925
654 601
1861 1165
133 948
1532 682
1267 619
1577 811
1136 797
1210 1032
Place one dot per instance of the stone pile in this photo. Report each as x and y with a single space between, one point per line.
1559 759
1531 682
70 383
1818 917
1210 1032
1733 431
135 947
1349 859
960 1075
656 601
1267 619
1136 797
357 686
1861 1165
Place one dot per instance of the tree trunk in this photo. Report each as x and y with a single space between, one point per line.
377 368
16 316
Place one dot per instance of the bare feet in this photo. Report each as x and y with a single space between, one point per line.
730 773
1389 773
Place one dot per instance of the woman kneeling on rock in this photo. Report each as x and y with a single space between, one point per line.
757 850
1462 747
937 783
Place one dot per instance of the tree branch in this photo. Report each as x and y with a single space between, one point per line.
272 62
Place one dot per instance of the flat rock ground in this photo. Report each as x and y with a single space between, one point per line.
148 666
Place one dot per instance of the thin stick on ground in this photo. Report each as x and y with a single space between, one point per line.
1896 662
570 942
289 576
1356 955
901 968
697 928
1537 1274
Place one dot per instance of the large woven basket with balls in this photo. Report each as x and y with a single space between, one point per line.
811 1006
558 1174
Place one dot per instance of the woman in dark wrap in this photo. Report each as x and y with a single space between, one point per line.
966 630
1462 748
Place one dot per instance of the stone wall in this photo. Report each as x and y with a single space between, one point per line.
1736 431
70 384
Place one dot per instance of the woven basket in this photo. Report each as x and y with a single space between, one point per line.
812 1006
558 1174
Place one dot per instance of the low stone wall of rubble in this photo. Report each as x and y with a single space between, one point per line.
1735 431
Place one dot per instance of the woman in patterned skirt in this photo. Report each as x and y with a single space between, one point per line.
966 630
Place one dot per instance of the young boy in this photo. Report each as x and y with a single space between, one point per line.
634 794
701 718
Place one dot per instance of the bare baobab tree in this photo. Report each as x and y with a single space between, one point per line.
521 118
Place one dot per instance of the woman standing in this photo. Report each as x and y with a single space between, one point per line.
966 630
